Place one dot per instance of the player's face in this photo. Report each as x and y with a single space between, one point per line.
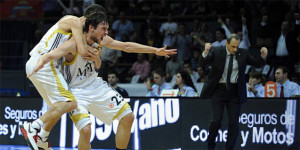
233 45
100 32
179 79
112 79
157 79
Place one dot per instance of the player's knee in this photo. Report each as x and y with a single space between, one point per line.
70 105
86 131
128 119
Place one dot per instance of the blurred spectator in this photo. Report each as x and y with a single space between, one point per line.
201 74
86 3
243 33
149 23
167 30
188 68
111 7
220 38
151 39
265 29
157 62
195 59
182 42
160 84
173 66
185 85
202 36
140 67
285 52
255 87
112 80
227 26
196 28
123 28
285 87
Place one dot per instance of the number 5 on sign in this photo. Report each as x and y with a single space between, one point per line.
270 89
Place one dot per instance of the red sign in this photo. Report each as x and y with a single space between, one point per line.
270 89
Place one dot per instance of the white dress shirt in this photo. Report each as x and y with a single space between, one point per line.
289 88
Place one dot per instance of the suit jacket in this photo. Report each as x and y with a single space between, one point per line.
217 58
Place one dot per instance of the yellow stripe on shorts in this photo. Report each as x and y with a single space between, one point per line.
124 107
76 118
62 91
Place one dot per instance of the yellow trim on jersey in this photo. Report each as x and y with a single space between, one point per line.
62 91
77 117
73 61
124 107
54 32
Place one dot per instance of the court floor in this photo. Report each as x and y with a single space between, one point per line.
21 147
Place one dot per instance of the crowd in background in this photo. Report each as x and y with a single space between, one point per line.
187 26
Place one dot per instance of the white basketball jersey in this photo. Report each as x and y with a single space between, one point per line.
80 72
51 40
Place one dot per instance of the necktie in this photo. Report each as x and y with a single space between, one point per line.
158 91
229 70
281 92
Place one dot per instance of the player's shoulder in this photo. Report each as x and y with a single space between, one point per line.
69 20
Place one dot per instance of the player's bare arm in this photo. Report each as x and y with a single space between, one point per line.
131 47
65 48
75 25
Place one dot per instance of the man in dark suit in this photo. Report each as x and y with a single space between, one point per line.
286 51
226 84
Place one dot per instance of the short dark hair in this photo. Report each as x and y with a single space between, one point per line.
221 30
94 19
256 75
92 8
112 72
283 68
232 36
160 71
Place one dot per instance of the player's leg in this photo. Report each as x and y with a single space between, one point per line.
84 138
81 119
109 105
52 87
124 131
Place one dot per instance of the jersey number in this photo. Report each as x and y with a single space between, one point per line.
118 98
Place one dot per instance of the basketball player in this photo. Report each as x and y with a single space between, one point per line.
105 103
49 81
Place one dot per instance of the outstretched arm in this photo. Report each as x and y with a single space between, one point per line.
59 52
132 47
